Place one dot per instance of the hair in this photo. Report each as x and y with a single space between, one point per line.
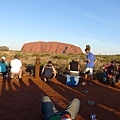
49 62
16 57
87 49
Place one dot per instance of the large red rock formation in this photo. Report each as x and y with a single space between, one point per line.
51 47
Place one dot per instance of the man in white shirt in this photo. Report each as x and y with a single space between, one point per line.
16 67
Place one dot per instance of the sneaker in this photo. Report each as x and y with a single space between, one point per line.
83 83
45 79
20 78
90 83
49 80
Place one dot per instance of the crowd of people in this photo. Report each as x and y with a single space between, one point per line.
111 72
111 75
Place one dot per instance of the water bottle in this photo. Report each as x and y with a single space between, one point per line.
93 117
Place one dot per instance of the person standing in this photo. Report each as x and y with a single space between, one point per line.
90 62
16 67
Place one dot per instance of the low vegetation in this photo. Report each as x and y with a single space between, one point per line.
60 61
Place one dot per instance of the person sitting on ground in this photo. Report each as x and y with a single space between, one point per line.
74 67
16 67
51 113
4 67
112 72
48 72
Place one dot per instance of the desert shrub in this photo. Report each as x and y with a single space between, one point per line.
63 57
45 54
35 55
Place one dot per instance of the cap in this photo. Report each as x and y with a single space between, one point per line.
66 117
87 47
3 57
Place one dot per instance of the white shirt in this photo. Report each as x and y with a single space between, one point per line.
15 65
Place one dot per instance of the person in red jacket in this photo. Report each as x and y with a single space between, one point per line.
111 73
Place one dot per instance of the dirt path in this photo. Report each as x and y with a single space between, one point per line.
22 100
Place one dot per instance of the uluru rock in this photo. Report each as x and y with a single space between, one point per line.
51 47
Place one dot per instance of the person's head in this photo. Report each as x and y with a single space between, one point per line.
49 63
16 57
113 62
3 59
73 60
87 50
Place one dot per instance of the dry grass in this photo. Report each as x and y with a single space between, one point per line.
60 61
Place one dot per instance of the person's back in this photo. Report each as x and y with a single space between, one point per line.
3 67
48 71
15 65
74 66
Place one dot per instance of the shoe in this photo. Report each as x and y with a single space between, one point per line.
20 78
83 83
90 83
45 79
85 91
49 80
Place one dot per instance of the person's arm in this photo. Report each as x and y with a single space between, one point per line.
87 60
54 72
43 70
95 61
69 67
20 65
78 67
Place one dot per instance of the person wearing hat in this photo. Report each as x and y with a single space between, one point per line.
3 67
16 67
90 62
51 113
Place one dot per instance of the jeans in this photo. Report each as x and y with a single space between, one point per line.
49 110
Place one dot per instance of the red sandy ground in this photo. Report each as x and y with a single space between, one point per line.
22 100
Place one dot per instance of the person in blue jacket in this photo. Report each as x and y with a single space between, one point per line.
4 67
